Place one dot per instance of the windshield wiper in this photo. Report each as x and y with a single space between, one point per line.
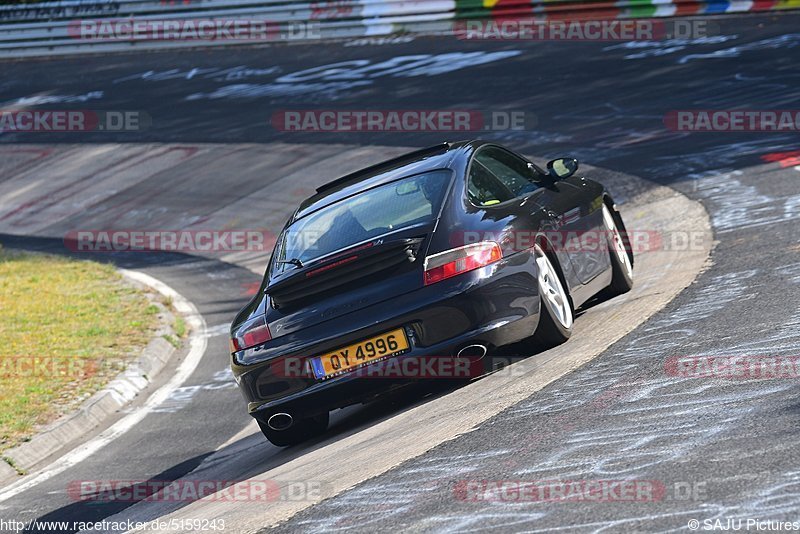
293 261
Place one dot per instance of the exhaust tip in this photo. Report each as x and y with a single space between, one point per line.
280 421
473 352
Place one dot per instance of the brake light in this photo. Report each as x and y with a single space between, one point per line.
460 260
251 333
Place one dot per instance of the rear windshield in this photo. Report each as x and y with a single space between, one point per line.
364 216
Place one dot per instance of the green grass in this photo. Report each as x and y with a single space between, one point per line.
66 328
11 462
180 327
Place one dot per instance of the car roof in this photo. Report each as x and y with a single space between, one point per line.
441 156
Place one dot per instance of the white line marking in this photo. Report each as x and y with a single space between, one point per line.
198 342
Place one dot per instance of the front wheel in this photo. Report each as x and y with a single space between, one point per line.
300 431
556 316
621 265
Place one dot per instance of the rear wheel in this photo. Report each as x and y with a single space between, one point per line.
556 317
621 265
300 431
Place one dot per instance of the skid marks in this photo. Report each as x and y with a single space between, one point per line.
183 396
719 294
739 205
620 417
428 478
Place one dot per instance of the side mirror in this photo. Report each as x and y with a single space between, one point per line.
562 168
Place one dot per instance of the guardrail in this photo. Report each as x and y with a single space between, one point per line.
54 28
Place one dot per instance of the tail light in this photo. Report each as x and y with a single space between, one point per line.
250 333
443 265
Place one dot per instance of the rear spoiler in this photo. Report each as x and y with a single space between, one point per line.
436 149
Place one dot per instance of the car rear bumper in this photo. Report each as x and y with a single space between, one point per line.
493 306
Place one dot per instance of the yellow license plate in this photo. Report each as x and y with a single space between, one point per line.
346 358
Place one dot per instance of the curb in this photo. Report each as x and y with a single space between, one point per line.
100 406
7 473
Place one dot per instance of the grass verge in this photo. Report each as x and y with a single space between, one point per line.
66 328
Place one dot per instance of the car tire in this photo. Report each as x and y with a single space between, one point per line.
621 258
556 314
300 431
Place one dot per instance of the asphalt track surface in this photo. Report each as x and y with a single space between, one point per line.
619 416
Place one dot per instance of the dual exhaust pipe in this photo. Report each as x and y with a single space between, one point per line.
473 352
283 421
280 421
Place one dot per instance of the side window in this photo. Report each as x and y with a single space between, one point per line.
512 171
484 188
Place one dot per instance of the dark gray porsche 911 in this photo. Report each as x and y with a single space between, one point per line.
443 255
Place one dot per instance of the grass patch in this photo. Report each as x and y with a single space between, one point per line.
180 327
66 328
11 462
